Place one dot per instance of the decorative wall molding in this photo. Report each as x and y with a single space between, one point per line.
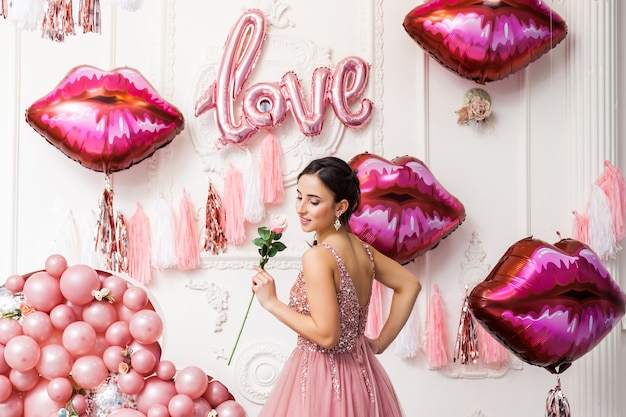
258 368
217 298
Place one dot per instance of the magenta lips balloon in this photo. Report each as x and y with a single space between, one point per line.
404 210
485 40
106 121
549 304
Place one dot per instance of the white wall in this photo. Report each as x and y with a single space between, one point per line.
522 177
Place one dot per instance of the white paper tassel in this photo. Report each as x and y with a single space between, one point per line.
253 206
130 5
27 14
600 227
406 344
164 237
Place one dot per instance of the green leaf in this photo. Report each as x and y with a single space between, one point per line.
264 250
258 241
277 236
272 252
265 233
279 246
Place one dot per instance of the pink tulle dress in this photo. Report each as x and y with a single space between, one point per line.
345 381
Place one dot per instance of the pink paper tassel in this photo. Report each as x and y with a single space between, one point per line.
233 206
139 247
213 237
436 341
272 169
375 317
186 237
491 351
611 181
4 8
580 229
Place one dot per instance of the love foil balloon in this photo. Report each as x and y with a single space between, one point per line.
404 210
485 40
106 121
549 304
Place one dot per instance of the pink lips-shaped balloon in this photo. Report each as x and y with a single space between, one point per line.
549 304
404 210
106 121
485 40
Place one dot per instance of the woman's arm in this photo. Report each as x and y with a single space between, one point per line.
406 288
322 327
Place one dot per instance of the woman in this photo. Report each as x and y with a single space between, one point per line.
333 371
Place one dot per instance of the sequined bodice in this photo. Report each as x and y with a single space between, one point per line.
353 316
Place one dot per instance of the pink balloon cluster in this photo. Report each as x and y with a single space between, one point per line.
75 328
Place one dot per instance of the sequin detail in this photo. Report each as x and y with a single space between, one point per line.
353 318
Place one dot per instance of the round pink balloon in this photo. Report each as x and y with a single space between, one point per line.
201 407
123 312
230 408
131 383
89 371
60 389
100 346
216 393
4 366
37 325
180 406
116 285
24 380
166 370
56 265
13 406
42 292
126 412
78 282
37 402
143 361
79 402
112 357
154 348
62 315
145 326
159 410
155 391
9 329
191 381
22 353
100 314
55 361
79 338
135 298
118 333
14 283
6 388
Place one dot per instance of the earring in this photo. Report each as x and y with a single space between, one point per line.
337 224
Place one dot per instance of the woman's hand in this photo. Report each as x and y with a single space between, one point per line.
264 287
376 346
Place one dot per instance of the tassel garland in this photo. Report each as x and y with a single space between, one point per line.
556 404
105 227
163 243
581 227
436 340
375 317
600 229
89 16
186 237
272 170
58 21
26 14
233 206
466 347
611 181
254 209
119 261
213 238
406 344
139 247
491 351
